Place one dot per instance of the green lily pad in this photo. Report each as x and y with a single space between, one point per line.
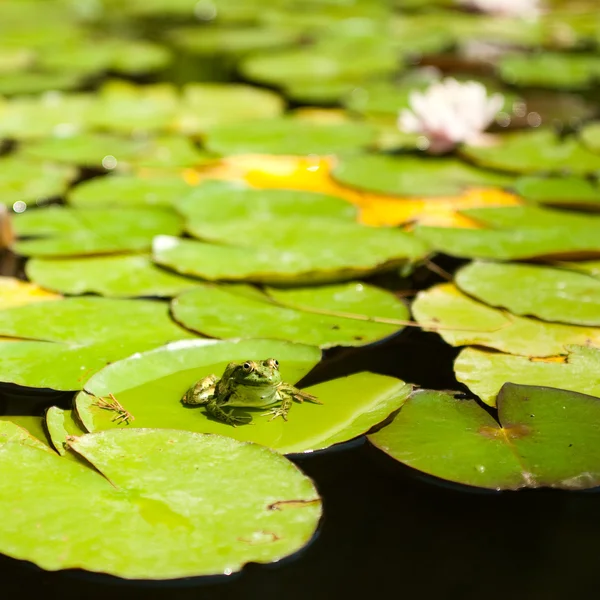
535 152
127 108
513 244
61 231
207 105
52 114
26 82
209 205
328 60
550 294
32 425
414 176
590 136
485 372
463 321
550 70
546 438
351 314
288 136
80 337
128 191
527 216
591 267
82 519
12 432
568 192
113 276
292 252
61 424
32 182
235 41
150 388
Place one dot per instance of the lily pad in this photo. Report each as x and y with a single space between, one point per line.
591 267
535 152
413 176
31 181
61 231
113 276
543 292
485 372
206 105
550 70
128 191
211 205
569 192
546 438
462 321
513 244
80 336
293 252
352 314
31 82
526 216
150 388
590 135
288 136
81 521
14 430
15 292
62 424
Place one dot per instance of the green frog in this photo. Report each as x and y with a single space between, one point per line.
252 384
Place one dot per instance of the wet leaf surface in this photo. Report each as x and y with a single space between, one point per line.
150 388
463 321
485 372
546 438
351 314
132 518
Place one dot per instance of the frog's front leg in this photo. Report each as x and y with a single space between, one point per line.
282 410
287 389
202 391
214 410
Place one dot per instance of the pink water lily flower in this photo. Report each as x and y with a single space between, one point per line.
448 113
505 8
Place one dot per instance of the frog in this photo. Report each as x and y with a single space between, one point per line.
251 384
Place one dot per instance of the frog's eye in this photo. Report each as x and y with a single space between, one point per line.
272 362
248 367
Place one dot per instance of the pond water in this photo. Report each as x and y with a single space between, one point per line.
306 96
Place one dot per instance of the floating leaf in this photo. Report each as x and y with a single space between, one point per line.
288 136
114 276
485 372
156 518
61 424
150 388
550 70
591 267
206 105
590 134
228 203
550 294
534 152
30 181
570 192
128 191
292 252
463 321
413 176
61 231
352 314
513 244
14 292
525 216
14 430
546 438
31 82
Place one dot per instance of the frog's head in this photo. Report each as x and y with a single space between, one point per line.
257 372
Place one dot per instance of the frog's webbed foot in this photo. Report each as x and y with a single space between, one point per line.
214 410
202 392
280 411
286 389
